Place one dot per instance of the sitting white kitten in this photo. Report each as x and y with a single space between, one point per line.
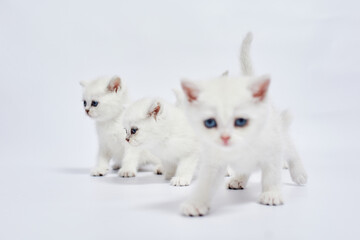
163 129
104 101
241 129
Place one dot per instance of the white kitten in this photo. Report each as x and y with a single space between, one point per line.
163 129
104 101
241 129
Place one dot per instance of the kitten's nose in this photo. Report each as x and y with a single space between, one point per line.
128 139
87 110
225 138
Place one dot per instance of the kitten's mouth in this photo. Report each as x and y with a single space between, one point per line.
226 144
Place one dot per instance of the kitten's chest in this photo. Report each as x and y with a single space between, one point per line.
114 135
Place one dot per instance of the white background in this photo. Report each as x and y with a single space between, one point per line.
310 48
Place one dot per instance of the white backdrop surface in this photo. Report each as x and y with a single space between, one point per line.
47 144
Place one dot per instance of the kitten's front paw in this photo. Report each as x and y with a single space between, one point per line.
180 181
237 183
158 170
126 173
271 198
194 209
99 171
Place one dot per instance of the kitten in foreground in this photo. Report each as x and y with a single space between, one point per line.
163 129
239 128
104 101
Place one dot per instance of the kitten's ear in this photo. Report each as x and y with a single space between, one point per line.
190 89
155 110
114 84
259 87
83 83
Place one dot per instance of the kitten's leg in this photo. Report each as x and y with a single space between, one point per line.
271 184
208 181
102 165
169 169
116 164
238 181
297 170
229 172
148 157
130 162
185 171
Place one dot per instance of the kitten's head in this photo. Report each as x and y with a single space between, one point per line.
227 112
104 98
143 121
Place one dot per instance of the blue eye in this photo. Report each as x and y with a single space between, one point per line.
241 122
210 123
133 130
94 103
84 103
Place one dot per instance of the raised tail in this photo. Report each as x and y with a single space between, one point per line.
245 60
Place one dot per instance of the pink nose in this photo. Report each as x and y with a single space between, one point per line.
225 138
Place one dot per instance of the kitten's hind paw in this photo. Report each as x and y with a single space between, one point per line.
194 209
126 173
99 171
237 183
180 181
158 170
115 166
271 198
299 176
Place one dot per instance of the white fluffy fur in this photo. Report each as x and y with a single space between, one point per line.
164 130
111 95
262 144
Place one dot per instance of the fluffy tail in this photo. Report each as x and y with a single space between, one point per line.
245 60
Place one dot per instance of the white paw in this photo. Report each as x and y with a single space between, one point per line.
99 171
180 181
272 198
126 172
158 170
299 176
237 183
194 209
116 166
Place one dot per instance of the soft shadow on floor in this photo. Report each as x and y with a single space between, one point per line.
141 179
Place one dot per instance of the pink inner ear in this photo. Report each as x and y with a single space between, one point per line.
261 89
191 93
156 110
114 85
